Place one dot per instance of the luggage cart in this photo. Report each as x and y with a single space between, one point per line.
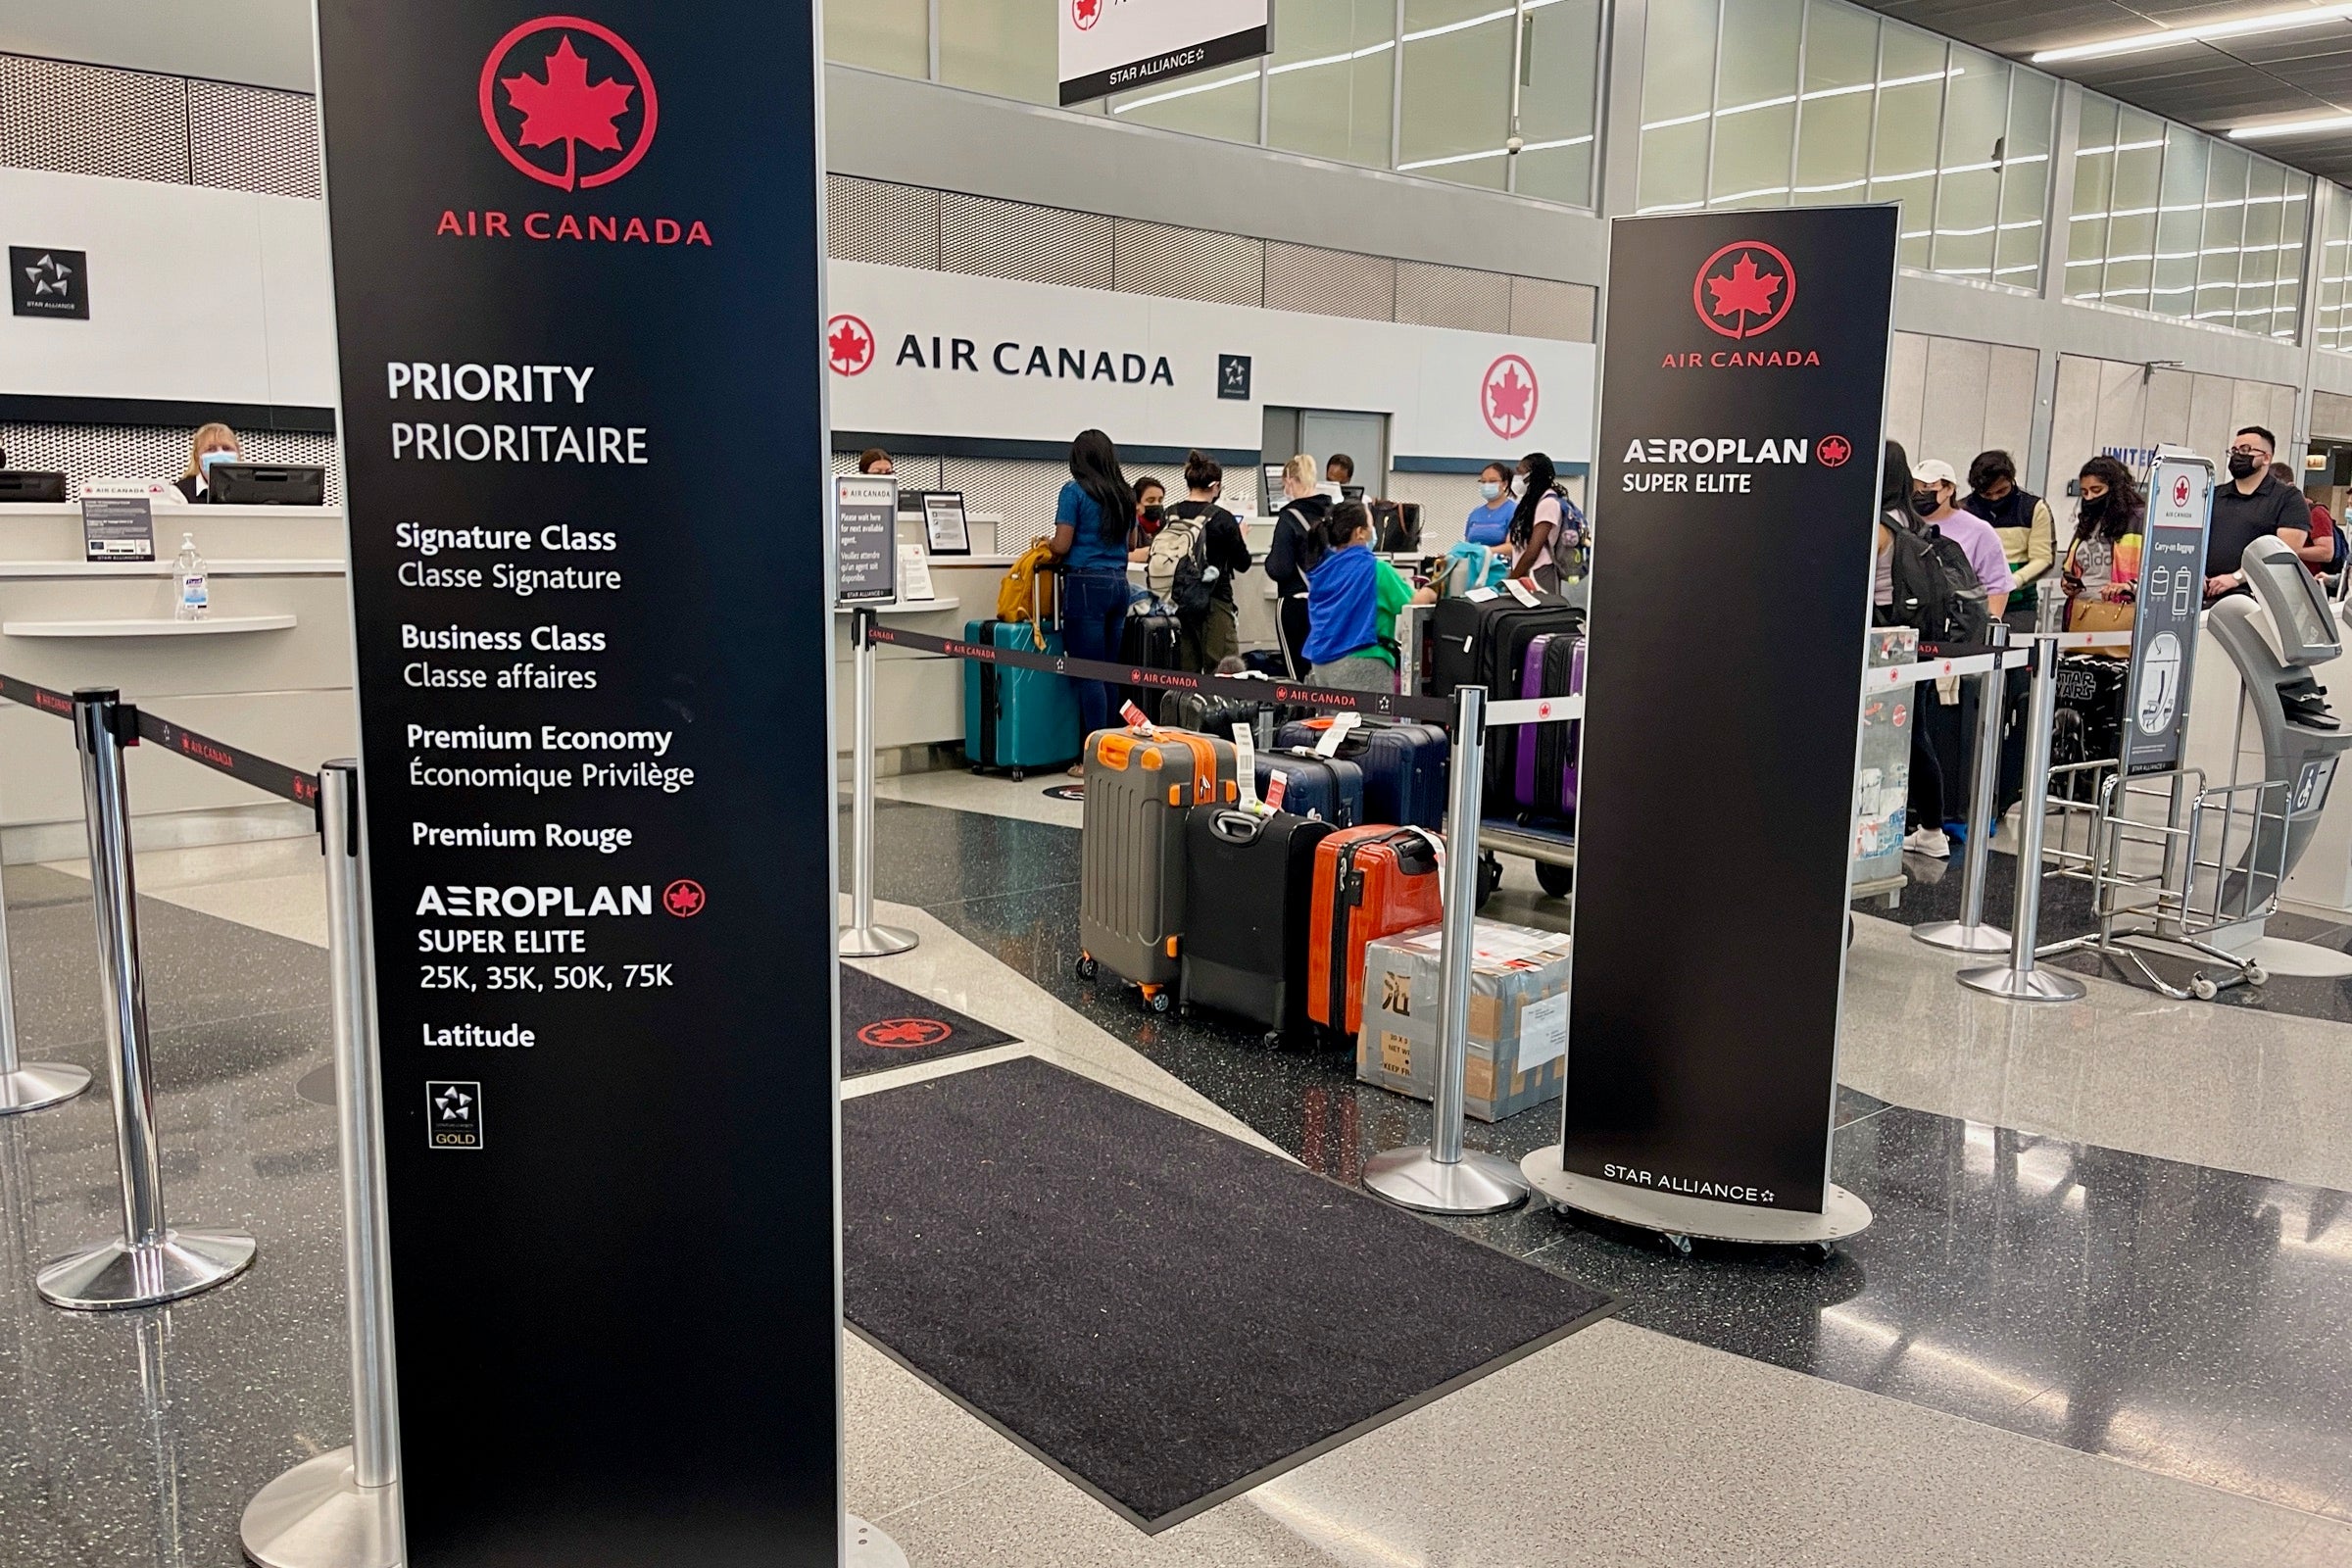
2173 864
1552 848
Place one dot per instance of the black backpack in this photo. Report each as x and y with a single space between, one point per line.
1936 589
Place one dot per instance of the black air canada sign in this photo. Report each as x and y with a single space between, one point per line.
578 299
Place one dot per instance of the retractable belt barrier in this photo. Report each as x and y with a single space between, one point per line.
1435 710
275 778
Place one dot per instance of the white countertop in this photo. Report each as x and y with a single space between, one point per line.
148 626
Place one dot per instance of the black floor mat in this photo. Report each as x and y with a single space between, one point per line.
885 1026
1164 1314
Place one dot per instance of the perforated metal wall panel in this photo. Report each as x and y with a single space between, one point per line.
1017 240
911 472
1453 295
253 138
141 451
88 120
872 221
1541 307
1188 264
1021 493
1321 282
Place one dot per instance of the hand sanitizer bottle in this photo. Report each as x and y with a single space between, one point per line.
195 596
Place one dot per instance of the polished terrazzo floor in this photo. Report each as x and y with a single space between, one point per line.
2101 1317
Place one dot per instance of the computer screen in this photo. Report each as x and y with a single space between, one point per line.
19 485
2307 634
255 484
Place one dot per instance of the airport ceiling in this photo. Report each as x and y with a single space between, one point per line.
2302 72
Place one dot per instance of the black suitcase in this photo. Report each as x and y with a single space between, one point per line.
1216 715
1480 642
2089 727
1154 639
1249 960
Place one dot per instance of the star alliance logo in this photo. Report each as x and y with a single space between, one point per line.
45 281
48 275
454 1114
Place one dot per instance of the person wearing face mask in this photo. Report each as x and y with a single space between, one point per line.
1150 510
215 443
1546 524
2253 504
1297 550
2028 531
1934 491
1490 521
2101 572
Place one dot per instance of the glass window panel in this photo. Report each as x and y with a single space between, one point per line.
1967 186
2226 169
1840 76
1328 84
1911 72
1677 89
2257 255
1842 50
1755 103
1007 47
1751 158
1219 103
2333 327
1558 100
1458 90
2294 234
893 35
2094 184
2026 178
2180 222
2131 209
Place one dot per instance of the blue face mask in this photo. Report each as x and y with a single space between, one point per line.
1491 490
210 457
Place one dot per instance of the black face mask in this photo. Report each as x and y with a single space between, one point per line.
1153 514
2093 508
2242 464
1922 502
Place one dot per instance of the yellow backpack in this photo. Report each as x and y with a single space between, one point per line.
1027 591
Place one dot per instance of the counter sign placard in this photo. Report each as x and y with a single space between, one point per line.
2164 628
579 308
1742 394
866 548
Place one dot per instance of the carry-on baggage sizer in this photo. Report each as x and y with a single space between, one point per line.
1131 902
1251 961
1403 764
1017 719
1369 882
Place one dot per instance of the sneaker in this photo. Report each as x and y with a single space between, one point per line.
1928 841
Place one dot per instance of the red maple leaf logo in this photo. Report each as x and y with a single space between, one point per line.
684 899
1834 451
568 108
1086 13
1510 396
849 345
1746 289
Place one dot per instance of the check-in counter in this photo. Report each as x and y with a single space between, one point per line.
269 670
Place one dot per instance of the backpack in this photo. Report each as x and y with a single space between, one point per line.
1936 589
2335 532
1028 589
1176 570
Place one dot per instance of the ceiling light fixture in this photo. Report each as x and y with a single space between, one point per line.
2229 27
2293 128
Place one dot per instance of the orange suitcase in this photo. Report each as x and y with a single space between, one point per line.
1370 882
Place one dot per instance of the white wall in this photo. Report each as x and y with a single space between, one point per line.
1951 399
210 296
2112 406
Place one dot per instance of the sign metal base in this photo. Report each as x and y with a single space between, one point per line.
120 1274
875 941
1686 1219
317 1515
869 1547
1475 1184
2023 985
1962 937
40 1084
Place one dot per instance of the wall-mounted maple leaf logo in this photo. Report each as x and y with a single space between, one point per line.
1509 396
1743 289
566 83
849 345
1086 13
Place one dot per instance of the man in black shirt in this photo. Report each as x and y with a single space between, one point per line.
2254 503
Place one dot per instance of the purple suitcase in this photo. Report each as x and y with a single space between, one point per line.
1570 734
1526 745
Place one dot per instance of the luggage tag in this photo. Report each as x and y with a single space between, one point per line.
1135 719
1522 591
1479 596
1329 746
1278 784
1245 769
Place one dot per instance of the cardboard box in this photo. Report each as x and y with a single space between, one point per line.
1518 1017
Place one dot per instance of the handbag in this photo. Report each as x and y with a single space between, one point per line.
2099 615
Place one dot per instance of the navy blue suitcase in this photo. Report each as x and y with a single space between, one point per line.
1403 765
1327 789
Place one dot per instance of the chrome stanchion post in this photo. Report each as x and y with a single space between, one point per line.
152 1262
861 938
1970 933
1444 1178
26 1086
342 1508
2018 979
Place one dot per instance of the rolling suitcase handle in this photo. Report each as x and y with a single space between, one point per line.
1237 827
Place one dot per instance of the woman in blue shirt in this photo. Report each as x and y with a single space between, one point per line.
1091 520
1490 524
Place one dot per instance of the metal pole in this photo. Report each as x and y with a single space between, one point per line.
1970 933
1442 1178
2018 979
342 1508
152 1262
26 1086
861 938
